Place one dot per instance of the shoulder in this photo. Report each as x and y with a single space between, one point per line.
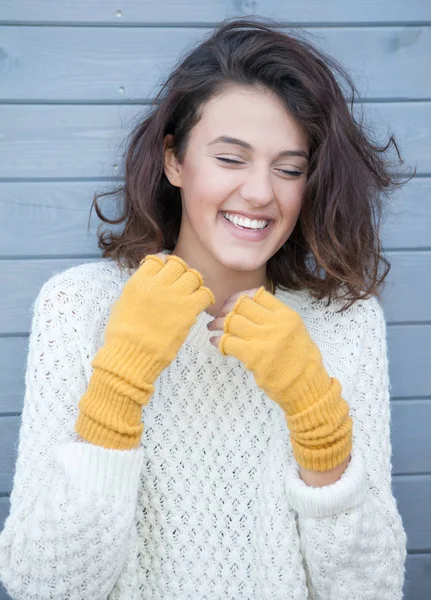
362 314
346 338
82 293
87 280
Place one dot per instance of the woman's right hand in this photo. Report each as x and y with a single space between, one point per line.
158 306
147 326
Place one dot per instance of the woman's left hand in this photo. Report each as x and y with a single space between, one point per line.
217 324
271 340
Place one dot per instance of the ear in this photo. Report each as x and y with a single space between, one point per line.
171 166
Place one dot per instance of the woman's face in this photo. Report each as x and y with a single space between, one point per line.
265 183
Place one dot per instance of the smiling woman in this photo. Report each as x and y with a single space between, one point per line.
267 135
264 470
228 182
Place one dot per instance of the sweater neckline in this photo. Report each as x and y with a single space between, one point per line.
199 335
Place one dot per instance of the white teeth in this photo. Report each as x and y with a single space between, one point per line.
245 222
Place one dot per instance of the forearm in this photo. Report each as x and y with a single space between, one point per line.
70 526
274 343
352 537
148 323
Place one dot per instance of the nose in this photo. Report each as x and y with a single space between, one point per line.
257 187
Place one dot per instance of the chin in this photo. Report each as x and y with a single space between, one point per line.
240 261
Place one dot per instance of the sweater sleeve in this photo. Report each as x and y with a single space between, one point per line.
351 533
72 505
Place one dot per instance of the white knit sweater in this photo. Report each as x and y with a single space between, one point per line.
211 505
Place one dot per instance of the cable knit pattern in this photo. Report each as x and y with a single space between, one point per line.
211 505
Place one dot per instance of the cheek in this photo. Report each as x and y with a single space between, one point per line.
205 191
291 207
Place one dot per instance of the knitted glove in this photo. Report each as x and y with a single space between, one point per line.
146 328
272 341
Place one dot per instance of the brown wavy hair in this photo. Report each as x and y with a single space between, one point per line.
335 247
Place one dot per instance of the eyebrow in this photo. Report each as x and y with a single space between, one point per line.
237 142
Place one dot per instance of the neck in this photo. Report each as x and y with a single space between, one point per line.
223 281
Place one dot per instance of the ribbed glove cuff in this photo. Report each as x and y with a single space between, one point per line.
111 408
110 411
321 435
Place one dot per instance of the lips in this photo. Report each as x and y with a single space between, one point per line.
224 215
242 233
248 215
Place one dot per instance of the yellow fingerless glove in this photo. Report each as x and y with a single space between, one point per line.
272 341
146 328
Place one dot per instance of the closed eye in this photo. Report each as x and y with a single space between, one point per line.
237 162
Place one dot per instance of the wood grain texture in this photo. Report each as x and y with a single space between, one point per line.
211 11
411 424
418 577
13 352
409 350
78 141
124 64
51 218
407 224
408 285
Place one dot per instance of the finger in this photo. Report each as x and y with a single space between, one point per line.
151 264
240 326
202 298
230 303
230 345
248 308
173 268
216 324
215 341
267 300
189 282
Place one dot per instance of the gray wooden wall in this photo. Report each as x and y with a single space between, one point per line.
74 75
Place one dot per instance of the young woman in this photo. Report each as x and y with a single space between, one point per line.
238 319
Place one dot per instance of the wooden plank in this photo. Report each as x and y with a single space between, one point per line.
13 352
416 515
121 64
409 351
3 594
387 118
87 141
51 218
404 299
411 443
4 511
212 11
418 577
64 141
408 224
9 435
408 287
